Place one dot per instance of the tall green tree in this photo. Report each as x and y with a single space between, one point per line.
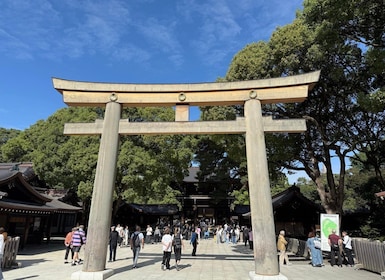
324 37
5 136
146 164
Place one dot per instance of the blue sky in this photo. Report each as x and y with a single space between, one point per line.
125 41
135 41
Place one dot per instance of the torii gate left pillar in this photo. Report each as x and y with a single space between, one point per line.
252 94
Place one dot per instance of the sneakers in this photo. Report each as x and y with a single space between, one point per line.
76 262
163 267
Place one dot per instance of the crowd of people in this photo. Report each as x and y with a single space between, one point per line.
340 248
173 236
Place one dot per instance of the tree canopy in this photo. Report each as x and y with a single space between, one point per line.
349 51
146 164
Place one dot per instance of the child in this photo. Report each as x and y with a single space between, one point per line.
166 246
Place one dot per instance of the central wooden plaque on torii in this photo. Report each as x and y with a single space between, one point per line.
251 94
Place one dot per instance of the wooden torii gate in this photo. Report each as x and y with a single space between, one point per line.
252 94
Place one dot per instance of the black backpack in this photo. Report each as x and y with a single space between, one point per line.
135 239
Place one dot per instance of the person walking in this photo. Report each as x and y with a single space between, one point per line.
120 231
245 234
136 241
113 243
348 249
68 245
335 246
177 241
157 235
251 240
148 234
126 236
218 234
166 247
194 242
281 246
78 239
2 242
233 235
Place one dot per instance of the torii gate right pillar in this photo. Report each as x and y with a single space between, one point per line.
265 256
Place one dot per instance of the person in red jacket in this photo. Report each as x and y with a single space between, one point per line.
68 245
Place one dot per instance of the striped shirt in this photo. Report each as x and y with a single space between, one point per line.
79 238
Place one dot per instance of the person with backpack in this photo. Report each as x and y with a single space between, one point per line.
177 242
136 241
78 240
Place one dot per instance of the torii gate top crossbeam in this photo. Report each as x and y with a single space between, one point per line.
276 90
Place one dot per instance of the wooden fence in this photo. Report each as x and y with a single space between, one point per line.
369 254
11 247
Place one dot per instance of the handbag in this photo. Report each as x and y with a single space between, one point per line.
317 243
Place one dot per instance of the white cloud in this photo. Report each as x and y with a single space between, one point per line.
217 28
212 30
160 35
131 52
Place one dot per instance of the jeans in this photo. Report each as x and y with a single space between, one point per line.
233 239
1 272
135 251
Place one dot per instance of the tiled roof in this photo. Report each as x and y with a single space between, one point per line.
17 195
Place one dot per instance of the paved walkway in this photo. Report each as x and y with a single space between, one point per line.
213 262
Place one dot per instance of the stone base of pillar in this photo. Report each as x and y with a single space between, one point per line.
254 276
97 275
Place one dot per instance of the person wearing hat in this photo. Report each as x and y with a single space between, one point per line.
113 242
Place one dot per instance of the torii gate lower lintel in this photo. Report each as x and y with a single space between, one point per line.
249 93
